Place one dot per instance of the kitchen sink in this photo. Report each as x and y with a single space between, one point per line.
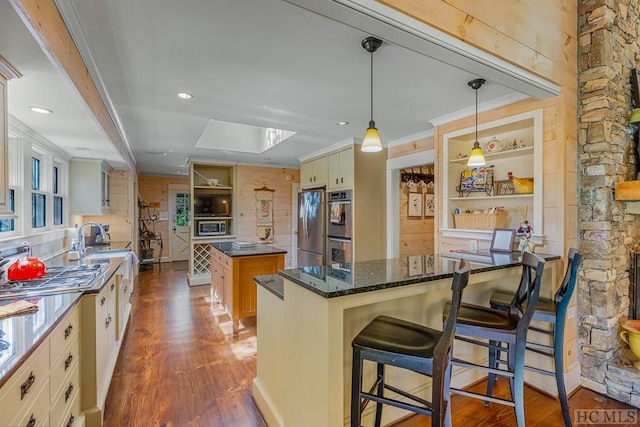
56 280
108 253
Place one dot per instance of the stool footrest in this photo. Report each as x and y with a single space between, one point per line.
465 364
483 397
397 403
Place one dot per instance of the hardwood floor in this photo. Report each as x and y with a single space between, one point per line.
180 365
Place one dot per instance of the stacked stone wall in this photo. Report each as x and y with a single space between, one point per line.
609 49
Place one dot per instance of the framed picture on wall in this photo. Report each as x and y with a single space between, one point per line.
429 205
415 265
414 204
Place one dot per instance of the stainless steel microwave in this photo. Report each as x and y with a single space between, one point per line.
212 228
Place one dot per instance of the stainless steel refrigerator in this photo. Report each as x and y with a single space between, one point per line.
311 227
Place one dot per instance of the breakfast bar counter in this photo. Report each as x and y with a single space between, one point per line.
304 338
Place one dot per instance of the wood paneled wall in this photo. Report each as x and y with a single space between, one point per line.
416 233
541 37
155 189
120 220
248 178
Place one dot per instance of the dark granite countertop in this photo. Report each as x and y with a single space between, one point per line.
273 283
366 276
259 249
23 333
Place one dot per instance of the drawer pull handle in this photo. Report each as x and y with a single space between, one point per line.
102 301
68 361
26 386
113 285
71 420
32 421
67 394
67 331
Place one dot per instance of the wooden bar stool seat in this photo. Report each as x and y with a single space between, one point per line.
395 342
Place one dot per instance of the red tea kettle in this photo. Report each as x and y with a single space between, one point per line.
26 268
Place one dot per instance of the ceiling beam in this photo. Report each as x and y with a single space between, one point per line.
43 20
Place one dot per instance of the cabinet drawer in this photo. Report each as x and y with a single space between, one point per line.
66 331
64 398
73 416
37 413
23 387
66 364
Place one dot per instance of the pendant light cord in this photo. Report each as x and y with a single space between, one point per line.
477 114
371 86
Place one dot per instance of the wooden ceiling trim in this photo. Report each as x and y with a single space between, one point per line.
43 20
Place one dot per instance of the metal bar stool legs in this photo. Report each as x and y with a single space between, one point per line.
395 342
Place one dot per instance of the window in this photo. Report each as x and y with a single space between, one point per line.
8 224
38 197
57 199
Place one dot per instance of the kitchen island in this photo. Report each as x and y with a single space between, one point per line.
232 272
304 338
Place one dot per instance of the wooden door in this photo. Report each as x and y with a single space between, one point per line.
179 217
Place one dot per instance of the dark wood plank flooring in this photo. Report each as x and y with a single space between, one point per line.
180 365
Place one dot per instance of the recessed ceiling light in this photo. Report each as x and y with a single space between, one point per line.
185 95
343 123
40 110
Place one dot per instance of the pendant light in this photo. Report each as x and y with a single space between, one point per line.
476 158
371 142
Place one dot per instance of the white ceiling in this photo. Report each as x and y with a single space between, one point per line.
265 63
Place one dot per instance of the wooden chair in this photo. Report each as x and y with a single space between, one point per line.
493 328
554 312
390 341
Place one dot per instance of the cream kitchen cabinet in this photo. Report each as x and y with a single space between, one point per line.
45 390
99 348
89 186
7 72
340 167
313 173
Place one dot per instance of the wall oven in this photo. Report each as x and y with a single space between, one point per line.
211 228
339 229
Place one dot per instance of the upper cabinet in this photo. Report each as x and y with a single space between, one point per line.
341 166
513 148
6 72
89 187
313 173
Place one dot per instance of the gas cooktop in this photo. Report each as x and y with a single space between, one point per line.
56 280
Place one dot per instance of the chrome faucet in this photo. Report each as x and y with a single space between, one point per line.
82 250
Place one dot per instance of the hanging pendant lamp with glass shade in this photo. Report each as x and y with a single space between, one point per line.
371 142
476 157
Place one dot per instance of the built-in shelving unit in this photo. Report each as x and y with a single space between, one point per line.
516 148
212 189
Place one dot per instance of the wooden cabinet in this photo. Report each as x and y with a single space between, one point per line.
340 166
232 282
512 144
314 173
89 187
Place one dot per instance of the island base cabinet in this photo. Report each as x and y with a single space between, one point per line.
232 282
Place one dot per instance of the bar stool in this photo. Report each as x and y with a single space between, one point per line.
553 311
390 341
501 327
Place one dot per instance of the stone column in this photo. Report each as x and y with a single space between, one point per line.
608 51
